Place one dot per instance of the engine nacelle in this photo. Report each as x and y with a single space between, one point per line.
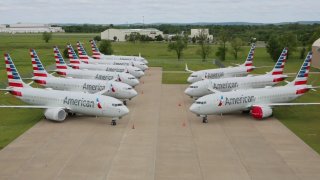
260 112
55 114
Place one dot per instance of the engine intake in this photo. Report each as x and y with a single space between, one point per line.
260 112
55 114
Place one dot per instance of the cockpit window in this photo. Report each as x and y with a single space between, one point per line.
193 87
132 78
193 75
117 105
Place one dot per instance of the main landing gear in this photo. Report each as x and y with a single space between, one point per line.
205 119
125 103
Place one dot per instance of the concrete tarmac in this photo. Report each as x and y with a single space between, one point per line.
159 139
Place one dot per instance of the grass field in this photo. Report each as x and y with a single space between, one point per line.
304 121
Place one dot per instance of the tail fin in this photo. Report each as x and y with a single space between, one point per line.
60 63
302 76
14 79
73 58
249 60
38 69
279 66
95 50
82 52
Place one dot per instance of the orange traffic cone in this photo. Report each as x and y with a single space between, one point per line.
179 104
184 124
133 126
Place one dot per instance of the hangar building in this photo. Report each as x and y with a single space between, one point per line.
120 34
316 54
29 28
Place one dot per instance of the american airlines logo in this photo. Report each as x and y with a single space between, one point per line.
78 102
114 69
213 75
103 77
239 100
90 87
227 85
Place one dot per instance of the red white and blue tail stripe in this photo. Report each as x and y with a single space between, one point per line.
60 63
73 58
14 79
82 52
95 50
249 60
302 76
38 69
279 66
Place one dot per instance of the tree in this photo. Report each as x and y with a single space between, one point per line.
194 39
159 38
273 47
205 48
65 53
178 45
46 36
222 49
236 45
97 38
115 38
105 47
290 41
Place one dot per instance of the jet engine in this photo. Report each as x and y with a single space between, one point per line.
55 114
260 112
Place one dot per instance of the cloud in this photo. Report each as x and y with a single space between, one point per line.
132 11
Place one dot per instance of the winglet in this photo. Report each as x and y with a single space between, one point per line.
187 69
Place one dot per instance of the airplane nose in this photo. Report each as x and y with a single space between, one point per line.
124 111
135 82
134 93
190 79
187 91
193 108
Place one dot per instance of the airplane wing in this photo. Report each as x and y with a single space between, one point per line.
290 104
186 69
31 107
213 90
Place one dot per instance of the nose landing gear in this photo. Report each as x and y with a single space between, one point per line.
114 122
205 119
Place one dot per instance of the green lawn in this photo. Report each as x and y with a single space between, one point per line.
304 121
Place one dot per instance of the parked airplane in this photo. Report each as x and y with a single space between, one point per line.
96 54
114 89
240 70
64 70
87 59
58 103
77 64
201 88
258 101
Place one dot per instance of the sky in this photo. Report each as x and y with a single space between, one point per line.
151 11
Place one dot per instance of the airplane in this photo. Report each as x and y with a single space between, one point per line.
96 54
64 70
77 64
240 70
259 102
87 59
58 104
201 88
111 88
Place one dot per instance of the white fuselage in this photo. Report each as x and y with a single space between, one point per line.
75 102
114 89
136 72
201 88
100 75
241 100
137 64
219 73
129 58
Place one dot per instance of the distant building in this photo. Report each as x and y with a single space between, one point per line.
29 28
120 34
316 54
196 32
